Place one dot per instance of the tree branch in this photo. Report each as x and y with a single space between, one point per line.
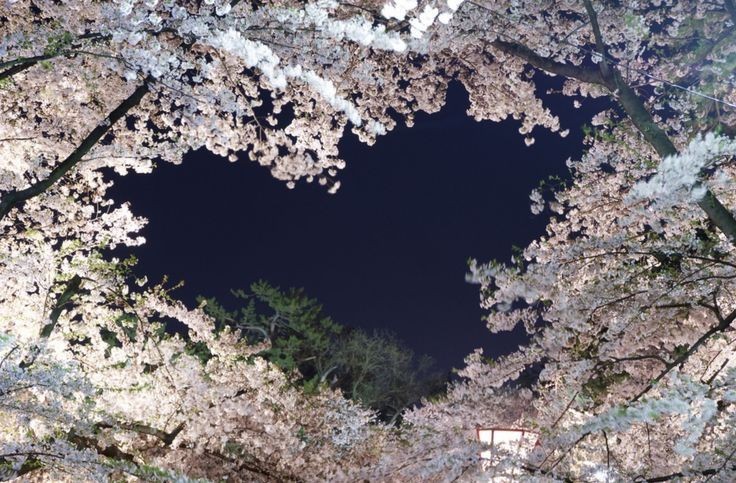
166 438
719 214
600 45
523 52
14 198
678 476
629 100
632 105
22 63
641 357
71 289
83 442
19 65
609 77
723 325
655 136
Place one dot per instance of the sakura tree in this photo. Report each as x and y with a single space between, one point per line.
628 298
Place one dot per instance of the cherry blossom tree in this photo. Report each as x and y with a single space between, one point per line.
138 401
93 384
628 298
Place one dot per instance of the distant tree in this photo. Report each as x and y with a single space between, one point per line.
376 369
299 336
381 372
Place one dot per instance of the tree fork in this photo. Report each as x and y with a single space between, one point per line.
14 198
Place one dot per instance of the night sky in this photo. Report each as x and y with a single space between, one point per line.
389 250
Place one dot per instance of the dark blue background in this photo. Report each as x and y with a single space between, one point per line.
389 250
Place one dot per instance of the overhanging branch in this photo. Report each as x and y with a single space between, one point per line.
165 437
582 74
724 324
19 65
11 67
15 198
609 77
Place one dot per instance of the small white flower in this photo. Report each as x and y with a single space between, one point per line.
398 9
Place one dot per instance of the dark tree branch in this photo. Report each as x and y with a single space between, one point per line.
84 442
609 77
250 464
710 380
14 198
723 325
639 115
655 136
608 451
19 65
166 438
658 139
719 214
641 357
582 74
71 289
567 452
679 476
700 56
723 465
31 463
600 45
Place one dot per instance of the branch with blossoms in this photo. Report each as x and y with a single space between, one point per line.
11 67
12 199
724 324
609 76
